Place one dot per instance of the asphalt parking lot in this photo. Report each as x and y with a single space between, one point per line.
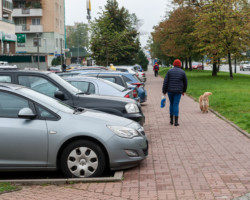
204 158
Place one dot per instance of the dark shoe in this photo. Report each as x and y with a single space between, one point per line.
176 121
171 119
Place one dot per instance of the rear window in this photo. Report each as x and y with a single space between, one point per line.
126 79
114 85
5 79
136 78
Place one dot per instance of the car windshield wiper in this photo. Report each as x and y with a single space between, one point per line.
78 110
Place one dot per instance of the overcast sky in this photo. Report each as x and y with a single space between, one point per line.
151 12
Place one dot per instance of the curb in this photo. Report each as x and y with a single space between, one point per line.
118 176
226 120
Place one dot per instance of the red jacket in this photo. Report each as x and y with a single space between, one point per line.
156 67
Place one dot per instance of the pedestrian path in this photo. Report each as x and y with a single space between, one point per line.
203 159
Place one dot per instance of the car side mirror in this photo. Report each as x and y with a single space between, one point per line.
26 113
59 95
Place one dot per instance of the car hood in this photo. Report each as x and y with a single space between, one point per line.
97 117
102 97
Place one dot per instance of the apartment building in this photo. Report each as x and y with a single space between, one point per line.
7 28
40 27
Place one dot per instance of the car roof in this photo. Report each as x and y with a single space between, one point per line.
11 86
26 71
82 77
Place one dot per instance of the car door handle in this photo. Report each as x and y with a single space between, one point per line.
52 132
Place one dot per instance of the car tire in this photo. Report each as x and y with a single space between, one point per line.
82 159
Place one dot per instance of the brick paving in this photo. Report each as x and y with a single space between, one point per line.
202 159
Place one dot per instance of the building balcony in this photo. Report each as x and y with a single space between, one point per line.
33 12
29 28
7 6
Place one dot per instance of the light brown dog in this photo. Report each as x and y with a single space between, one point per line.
204 101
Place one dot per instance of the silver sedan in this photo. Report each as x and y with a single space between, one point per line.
38 132
99 86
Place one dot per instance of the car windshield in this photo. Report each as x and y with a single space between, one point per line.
246 62
65 84
59 105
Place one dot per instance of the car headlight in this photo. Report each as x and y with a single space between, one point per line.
124 132
132 108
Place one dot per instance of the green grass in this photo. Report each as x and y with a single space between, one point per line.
7 187
231 98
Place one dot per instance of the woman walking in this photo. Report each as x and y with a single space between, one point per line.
175 84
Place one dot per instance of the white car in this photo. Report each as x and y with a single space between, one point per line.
132 70
244 65
6 65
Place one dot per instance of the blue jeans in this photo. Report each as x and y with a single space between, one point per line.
174 100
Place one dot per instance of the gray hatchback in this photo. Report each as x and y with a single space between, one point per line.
41 133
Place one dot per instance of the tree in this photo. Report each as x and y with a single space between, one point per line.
78 36
114 36
221 27
142 60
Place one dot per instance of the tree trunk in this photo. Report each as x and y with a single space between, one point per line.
214 72
107 58
186 63
230 66
202 64
182 64
235 65
190 63
218 68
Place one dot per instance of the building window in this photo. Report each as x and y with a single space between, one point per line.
56 42
20 21
37 41
20 44
36 21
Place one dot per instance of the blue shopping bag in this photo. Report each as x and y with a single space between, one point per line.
163 101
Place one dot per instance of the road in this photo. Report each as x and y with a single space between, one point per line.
225 68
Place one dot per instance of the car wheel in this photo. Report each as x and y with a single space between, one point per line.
82 159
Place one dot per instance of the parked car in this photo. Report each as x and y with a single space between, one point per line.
132 70
42 133
130 79
73 66
56 69
6 65
139 68
244 65
93 85
54 86
197 65
91 68
115 78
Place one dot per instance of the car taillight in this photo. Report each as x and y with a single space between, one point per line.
137 74
143 74
127 96
135 93
137 84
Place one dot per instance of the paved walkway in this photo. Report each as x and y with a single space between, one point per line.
204 158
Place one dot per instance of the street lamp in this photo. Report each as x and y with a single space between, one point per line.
38 58
78 41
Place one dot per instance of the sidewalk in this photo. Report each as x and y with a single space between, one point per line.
204 158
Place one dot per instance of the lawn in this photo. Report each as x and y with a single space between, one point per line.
7 187
231 98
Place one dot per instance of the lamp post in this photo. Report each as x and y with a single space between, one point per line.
61 53
38 57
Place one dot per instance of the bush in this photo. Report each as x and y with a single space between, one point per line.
56 61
